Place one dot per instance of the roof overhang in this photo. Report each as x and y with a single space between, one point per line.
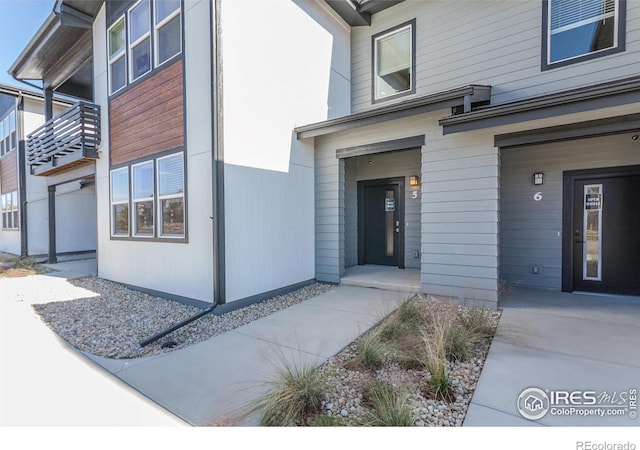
598 96
464 96
60 53
358 12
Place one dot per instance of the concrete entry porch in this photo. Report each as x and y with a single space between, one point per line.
383 277
557 341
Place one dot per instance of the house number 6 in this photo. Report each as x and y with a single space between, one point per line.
537 196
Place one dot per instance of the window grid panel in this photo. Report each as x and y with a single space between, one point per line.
120 200
117 56
142 199
170 181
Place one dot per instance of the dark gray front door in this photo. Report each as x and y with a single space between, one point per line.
381 214
606 233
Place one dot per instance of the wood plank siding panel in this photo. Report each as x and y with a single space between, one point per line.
528 228
497 43
148 118
9 172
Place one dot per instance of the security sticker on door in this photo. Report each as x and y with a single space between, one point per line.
389 204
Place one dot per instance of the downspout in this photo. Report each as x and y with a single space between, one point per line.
22 177
217 157
217 185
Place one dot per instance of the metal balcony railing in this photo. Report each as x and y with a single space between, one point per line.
66 141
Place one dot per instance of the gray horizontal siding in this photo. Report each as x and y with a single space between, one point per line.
490 42
530 231
460 219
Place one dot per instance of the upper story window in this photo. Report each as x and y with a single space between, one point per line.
148 35
394 62
167 30
8 134
139 40
577 30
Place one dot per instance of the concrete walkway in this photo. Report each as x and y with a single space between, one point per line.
211 382
559 341
44 382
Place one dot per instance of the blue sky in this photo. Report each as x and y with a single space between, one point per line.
19 21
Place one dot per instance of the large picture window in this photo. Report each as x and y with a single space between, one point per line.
394 62
9 203
149 195
576 30
147 36
8 138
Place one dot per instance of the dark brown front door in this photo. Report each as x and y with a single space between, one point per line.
605 233
381 214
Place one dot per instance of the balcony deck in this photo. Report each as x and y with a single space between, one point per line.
68 140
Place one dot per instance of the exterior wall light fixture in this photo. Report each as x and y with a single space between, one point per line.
414 180
537 178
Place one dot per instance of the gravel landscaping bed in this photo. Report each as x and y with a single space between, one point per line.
345 396
113 324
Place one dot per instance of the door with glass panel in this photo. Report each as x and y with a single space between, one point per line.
381 213
606 234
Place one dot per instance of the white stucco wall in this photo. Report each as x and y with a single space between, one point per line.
285 63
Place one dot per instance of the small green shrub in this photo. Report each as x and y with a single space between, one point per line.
295 393
388 407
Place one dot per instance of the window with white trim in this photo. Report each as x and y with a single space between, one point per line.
8 133
120 202
150 27
117 56
168 36
148 199
576 30
9 202
139 39
393 62
142 199
170 174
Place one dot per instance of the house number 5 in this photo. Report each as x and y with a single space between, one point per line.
537 196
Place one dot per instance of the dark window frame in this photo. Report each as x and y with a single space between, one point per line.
157 236
12 213
620 47
412 24
122 13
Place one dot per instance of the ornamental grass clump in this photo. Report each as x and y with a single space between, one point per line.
435 354
387 406
295 394
371 350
